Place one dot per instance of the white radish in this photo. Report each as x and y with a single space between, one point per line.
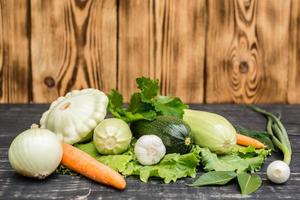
149 149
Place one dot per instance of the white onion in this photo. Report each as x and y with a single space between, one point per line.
35 153
278 172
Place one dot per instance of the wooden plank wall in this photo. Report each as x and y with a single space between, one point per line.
205 51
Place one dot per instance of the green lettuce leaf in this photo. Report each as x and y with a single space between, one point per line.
170 168
89 148
250 151
239 160
172 106
116 162
146 104
137 110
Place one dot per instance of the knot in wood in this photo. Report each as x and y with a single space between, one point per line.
81 3
243 67
49 81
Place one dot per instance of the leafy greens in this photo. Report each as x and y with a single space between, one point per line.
249 182
224 168
175 166
242 159
171 167
214 178
146 104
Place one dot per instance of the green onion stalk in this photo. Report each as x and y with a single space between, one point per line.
277 132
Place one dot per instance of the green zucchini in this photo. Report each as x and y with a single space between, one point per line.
174 133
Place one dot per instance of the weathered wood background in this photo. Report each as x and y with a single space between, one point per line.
205 51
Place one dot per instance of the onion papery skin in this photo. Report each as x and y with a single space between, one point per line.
35 153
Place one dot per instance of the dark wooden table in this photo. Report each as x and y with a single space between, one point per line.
16 118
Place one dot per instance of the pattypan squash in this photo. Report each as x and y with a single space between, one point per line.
74 116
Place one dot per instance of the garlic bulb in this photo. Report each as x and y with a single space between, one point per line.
74 116
149 149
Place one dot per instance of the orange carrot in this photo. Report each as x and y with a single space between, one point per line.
84 164
247 141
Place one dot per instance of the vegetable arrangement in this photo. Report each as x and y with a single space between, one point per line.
154 136
170 168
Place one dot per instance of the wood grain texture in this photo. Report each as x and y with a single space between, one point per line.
247 51
204 51
73 46
165 40
14 186
294 54
15 72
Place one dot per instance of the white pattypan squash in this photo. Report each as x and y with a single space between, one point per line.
74 116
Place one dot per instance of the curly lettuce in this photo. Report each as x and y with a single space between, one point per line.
170 168
175 166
